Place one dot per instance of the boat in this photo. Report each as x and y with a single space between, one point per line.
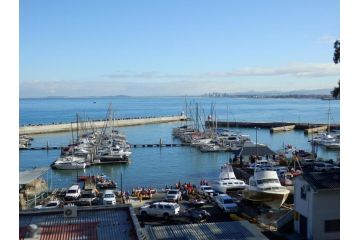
228 181
264 186
68 165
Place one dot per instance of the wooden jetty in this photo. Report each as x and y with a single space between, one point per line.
281 129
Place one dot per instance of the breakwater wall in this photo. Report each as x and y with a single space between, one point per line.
66 127
299 126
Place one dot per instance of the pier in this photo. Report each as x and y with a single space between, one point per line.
145 145
66 127
298 126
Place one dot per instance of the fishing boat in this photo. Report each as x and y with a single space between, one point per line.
228 181
264 186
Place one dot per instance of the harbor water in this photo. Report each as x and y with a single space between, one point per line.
155 166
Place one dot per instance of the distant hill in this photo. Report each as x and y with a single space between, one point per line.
313 93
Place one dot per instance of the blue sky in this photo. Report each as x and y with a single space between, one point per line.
142 48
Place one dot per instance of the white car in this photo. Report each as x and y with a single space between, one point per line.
109 198
226 203
160 209
73 193
173 195
206 190
88 198
51 204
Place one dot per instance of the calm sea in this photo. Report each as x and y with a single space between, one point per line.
160 166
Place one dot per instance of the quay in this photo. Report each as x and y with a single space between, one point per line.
298 126
66 127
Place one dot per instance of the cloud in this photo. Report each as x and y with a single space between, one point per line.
297 70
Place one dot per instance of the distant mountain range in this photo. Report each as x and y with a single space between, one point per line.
313 93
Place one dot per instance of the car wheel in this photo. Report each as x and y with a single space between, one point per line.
166 216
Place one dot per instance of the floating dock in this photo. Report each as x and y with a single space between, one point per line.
66 127
316 129
282 129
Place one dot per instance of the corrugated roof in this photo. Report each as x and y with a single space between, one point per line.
323 180
28 176
92 223
252 150
218 230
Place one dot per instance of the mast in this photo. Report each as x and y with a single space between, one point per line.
329 118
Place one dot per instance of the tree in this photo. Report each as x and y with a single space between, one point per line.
336 58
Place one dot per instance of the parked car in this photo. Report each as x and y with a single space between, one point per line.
226 203
88 197
323 167
73 193
109 197
205 190
160 209
50 204
174 195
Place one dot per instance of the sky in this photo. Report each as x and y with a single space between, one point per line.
171 48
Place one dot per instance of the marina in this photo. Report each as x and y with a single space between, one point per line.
188 155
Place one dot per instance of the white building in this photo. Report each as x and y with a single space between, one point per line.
317 205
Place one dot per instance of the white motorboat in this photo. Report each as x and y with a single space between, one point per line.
228 181
69 165
264 186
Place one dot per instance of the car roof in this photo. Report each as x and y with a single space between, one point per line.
74 187
109 191
223 195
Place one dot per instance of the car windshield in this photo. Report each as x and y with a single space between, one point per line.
172 192
207 188
226 201
51 204
109 196
71 191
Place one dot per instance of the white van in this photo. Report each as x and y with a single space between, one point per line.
73 193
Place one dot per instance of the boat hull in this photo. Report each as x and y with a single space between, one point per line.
69 167
272 199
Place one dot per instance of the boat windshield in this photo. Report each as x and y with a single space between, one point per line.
267 181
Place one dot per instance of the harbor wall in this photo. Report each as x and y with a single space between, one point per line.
299 126
66 127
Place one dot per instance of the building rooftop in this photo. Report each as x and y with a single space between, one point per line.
251 149
216 230
323 180
95 222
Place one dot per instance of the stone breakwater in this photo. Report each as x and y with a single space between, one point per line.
66 127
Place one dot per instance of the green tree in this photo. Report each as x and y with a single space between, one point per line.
336 58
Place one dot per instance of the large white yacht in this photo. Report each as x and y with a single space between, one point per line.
227 180
264 186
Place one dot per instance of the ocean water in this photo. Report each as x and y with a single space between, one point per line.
164 166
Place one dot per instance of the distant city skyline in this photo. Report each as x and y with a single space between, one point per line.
175 48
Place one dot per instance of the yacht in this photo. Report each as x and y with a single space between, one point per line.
228 181
264 186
